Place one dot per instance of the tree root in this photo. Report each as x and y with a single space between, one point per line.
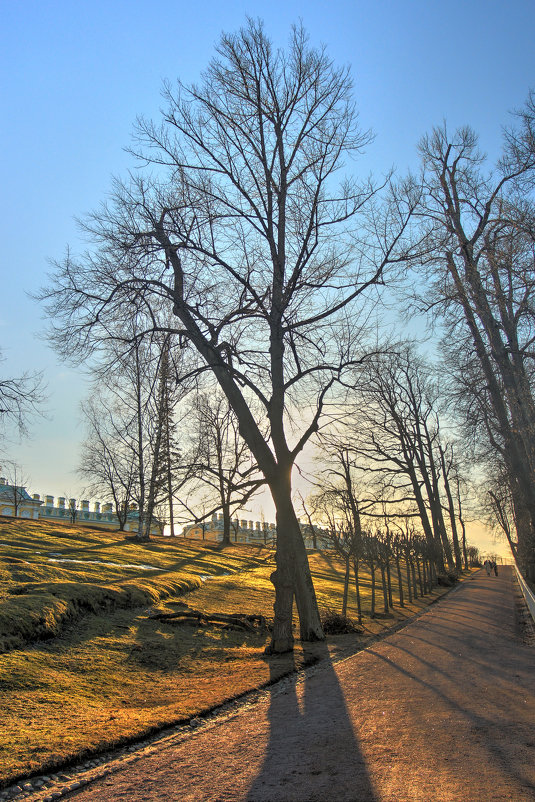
238 621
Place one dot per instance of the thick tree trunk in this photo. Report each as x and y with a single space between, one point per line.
282 639
292 575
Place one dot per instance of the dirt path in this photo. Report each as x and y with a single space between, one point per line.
442 710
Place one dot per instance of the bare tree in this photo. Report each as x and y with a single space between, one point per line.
73 510
21 398
130 446
17 481
479 265
108 461
241 231
396 437
448 466
224 465
340 505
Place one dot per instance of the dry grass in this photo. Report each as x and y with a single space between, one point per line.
52 573
115 674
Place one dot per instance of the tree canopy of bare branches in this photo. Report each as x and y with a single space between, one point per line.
242 225
21 398
479 265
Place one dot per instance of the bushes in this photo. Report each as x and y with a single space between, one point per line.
448 579
336 624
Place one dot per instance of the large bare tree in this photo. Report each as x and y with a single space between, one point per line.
480 269
241 227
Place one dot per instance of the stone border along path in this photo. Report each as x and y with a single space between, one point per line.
441 710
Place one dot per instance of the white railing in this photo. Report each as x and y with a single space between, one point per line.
528 593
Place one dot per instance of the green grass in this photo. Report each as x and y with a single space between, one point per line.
105 672
51 574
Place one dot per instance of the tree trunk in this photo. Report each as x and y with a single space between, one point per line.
414 585
430 535
408 573
389 583
357 589
292 575
451 510
226 525
420 583
425 577
385 588
346 586
372 572
400 582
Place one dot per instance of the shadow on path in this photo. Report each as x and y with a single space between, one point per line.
311 744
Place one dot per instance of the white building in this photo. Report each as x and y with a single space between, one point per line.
16 501
257 532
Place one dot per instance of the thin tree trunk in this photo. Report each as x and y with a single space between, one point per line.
140 448
451 510
372 572
389 583
357 589
346 586
384 586
414 586
420 577
400 582
424 577
408 571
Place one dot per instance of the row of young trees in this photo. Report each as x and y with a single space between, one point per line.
396 554
239 245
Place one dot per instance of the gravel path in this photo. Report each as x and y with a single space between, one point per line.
444 709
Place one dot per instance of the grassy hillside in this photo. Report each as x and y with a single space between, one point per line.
51 573
103 670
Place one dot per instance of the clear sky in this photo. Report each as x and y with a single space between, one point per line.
76 75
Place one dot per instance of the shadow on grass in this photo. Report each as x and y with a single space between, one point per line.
312 752
164 647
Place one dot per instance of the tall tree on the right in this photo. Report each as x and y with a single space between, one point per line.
479 265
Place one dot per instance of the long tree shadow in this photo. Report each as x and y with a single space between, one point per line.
312 752
496 730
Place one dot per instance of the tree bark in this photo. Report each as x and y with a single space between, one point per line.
357 590
293 568
346 587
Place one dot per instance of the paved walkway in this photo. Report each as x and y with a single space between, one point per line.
442 710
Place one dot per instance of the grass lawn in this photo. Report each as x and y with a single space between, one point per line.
106 672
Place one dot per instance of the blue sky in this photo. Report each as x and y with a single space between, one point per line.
74 77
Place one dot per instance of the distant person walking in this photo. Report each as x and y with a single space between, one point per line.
487 564
495 567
